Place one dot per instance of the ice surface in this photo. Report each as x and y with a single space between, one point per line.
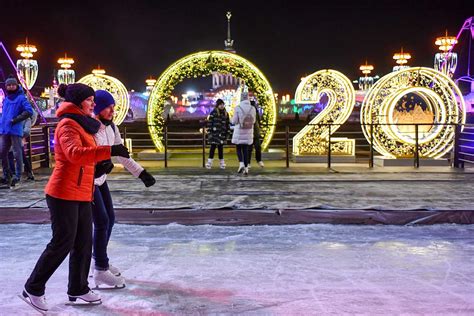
263 270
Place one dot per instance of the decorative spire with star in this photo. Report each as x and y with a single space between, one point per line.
229 42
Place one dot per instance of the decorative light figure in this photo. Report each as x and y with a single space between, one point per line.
440 95
401 59
204 64
446 61
366 82
313 138
99 81
27 67
66 75
98 71
231 98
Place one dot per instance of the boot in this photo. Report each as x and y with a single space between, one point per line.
14 181
241 167
30 176
209 163
222 164
246 171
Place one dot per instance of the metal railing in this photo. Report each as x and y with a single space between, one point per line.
464 148
41 149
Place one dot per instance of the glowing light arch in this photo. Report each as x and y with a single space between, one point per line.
438 92
116 88
313 139
202 64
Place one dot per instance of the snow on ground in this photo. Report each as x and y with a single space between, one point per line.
263 270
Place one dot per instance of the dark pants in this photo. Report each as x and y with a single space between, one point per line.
15 142
220 150
243 153
104 218
71 222
258 150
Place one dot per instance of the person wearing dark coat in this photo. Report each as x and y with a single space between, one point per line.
218 127
256 139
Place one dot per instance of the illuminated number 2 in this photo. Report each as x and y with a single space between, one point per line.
316 88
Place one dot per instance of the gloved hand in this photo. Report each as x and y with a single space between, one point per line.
147 178
119 150
23 116
103 167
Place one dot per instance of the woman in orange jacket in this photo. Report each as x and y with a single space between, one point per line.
69 194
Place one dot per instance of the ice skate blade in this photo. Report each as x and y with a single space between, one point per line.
108 287
27 301
77 301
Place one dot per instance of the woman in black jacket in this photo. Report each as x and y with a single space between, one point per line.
217 129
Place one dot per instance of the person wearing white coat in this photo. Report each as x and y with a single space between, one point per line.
102 209
243 120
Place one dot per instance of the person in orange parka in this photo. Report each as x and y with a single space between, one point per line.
69 194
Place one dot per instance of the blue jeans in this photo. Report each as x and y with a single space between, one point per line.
103 216
14 142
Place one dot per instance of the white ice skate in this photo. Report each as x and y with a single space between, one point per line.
115 271
37 302
222 164
261 164
246 171
106 280
241 167
209 163
90 298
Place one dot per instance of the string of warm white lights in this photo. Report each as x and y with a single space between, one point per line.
202 64
99 81
313 138
444 107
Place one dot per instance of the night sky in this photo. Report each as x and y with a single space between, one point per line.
285 39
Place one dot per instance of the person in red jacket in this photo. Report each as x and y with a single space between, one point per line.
69 194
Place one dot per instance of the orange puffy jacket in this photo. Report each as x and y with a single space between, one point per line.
76 154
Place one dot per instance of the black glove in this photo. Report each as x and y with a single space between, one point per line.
103 167
23 116
147 178
119 150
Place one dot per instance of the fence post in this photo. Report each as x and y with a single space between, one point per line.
29 150
457 163
287 144
371 158
47 149
329 146
166 146
417 154
203 147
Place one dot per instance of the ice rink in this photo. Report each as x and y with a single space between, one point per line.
263 270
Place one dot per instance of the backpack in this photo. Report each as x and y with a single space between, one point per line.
247 122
